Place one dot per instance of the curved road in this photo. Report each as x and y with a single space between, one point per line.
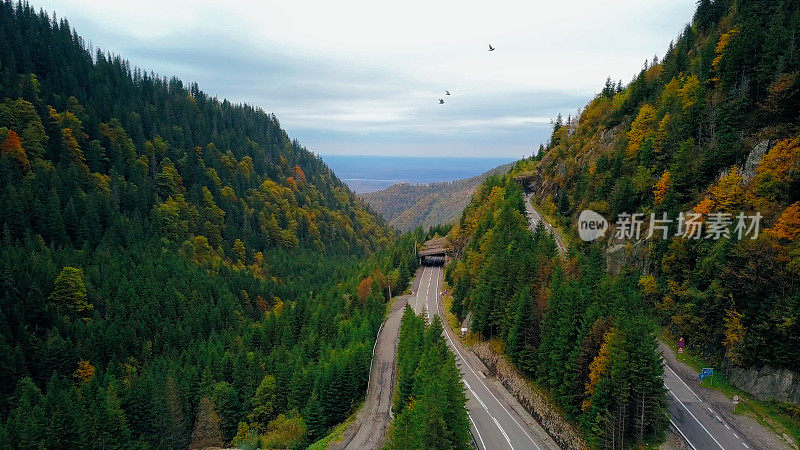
498 421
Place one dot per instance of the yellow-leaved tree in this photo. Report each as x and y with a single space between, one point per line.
662 187
642 128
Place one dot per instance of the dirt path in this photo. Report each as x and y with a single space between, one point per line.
369 429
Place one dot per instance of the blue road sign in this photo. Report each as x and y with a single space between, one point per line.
707 372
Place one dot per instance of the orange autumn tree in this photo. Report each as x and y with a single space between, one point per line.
787 227
12 146
662 187
299 175
598 368
777 170
364 288
84 373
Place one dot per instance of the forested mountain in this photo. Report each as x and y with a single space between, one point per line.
408 206
710 129
175 269
585 335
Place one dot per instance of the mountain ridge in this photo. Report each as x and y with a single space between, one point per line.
407 206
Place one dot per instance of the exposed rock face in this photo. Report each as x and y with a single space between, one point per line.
753 158
767 384
562 432
627 255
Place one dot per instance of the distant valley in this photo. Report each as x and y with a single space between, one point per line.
370 173
407 206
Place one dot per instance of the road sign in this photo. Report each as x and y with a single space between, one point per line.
681 343
735 402
707 372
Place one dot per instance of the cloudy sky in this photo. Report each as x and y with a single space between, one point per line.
364 77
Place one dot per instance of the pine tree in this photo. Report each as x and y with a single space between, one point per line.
316 422
206 431
264 402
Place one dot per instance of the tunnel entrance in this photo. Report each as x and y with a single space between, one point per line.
433 260
434 252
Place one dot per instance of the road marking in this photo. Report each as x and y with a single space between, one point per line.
477 431
734 435
524 431
502 431
745 445
476 396
681 380
419 288
681 432
696 419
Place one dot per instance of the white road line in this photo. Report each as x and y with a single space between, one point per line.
681 432
524 431
502 431
734 435
745 445
695 418
477 431
476 396
681 380
419 288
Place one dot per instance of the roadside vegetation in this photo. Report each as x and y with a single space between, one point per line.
429 401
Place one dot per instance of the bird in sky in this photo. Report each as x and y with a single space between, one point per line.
441 101
491 49
446 92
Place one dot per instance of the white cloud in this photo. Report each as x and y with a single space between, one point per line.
372 68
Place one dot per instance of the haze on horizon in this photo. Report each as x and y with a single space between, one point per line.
362 77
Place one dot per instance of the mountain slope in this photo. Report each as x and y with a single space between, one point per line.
712 130
408 206
175 269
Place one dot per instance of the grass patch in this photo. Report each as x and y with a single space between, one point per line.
778 417
447 305
452 321
337 433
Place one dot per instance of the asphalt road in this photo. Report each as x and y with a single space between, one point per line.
534 218
698 423
369 429
497 420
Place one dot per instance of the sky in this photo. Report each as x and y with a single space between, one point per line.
365 77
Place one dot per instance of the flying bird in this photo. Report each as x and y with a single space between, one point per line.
441 101
446 92
491 49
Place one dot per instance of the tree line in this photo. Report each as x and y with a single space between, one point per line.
429 402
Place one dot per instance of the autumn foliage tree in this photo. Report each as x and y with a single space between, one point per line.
12 146
69 292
